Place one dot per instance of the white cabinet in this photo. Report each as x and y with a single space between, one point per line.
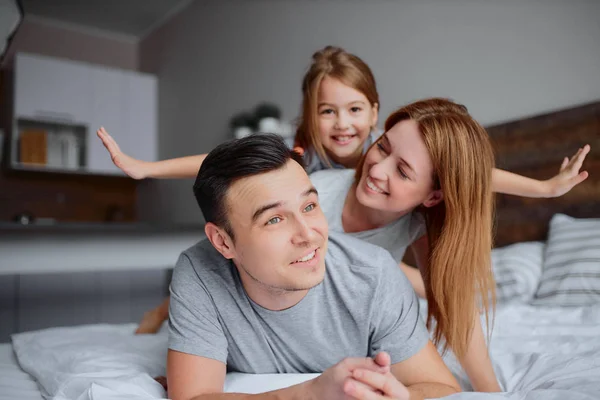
52 90
65 93
108 110
141 112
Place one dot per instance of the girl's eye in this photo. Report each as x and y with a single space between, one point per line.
327 111
273 220
355 109
402 174
381 148
310 207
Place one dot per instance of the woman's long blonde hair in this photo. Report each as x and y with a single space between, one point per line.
338 64
458 280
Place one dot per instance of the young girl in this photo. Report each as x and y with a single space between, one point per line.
339 115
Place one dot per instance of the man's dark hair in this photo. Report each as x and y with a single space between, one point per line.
233 160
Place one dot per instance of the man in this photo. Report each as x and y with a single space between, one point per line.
271 291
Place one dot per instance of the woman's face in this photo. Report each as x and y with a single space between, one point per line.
397 174
345 120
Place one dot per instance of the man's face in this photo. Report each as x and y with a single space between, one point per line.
279 228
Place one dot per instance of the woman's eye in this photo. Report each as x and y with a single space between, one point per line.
355 109
381 148
309 207
273 220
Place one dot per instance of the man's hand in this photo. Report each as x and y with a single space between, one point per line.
376 385
330 385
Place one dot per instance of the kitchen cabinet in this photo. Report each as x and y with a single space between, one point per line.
59 105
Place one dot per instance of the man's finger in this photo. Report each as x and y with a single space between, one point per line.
387 383
383 359
362 362
360 391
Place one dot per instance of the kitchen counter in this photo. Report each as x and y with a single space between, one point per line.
98 227
80 247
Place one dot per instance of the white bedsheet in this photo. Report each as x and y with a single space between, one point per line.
14 383
538 353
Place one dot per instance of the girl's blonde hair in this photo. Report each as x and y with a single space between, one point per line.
336 63
459 279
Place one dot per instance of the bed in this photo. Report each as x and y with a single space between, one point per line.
14 382
544 341
549 353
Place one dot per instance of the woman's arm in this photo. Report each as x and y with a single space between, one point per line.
568 177
415 278
184 167
476 363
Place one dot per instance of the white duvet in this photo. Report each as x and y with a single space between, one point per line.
538 353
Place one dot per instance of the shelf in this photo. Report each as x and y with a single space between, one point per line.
49 146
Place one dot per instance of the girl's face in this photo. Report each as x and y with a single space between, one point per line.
345 121
397 174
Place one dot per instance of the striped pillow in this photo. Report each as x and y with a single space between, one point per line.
571 275
517 269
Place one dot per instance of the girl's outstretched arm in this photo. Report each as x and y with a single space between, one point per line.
567 178
184 167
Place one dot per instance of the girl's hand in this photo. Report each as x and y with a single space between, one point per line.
569 176
134 168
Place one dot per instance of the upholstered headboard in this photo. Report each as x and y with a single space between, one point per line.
535 147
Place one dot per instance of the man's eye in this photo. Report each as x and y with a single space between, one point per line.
273 220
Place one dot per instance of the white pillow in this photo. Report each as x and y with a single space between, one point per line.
68 361
571 273
517 269
92 362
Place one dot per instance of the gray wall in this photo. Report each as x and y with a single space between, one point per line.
503 59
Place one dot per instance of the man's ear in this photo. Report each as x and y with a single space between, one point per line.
220 240
434 198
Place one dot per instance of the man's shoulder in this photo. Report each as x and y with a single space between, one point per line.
356 253
204 258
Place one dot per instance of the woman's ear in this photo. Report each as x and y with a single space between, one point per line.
220 240
434 198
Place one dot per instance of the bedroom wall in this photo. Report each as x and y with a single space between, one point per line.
504 60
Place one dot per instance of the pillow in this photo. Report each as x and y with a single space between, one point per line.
517 269
571 273
91 362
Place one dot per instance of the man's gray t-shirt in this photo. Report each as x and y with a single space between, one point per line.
364 305
333 186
